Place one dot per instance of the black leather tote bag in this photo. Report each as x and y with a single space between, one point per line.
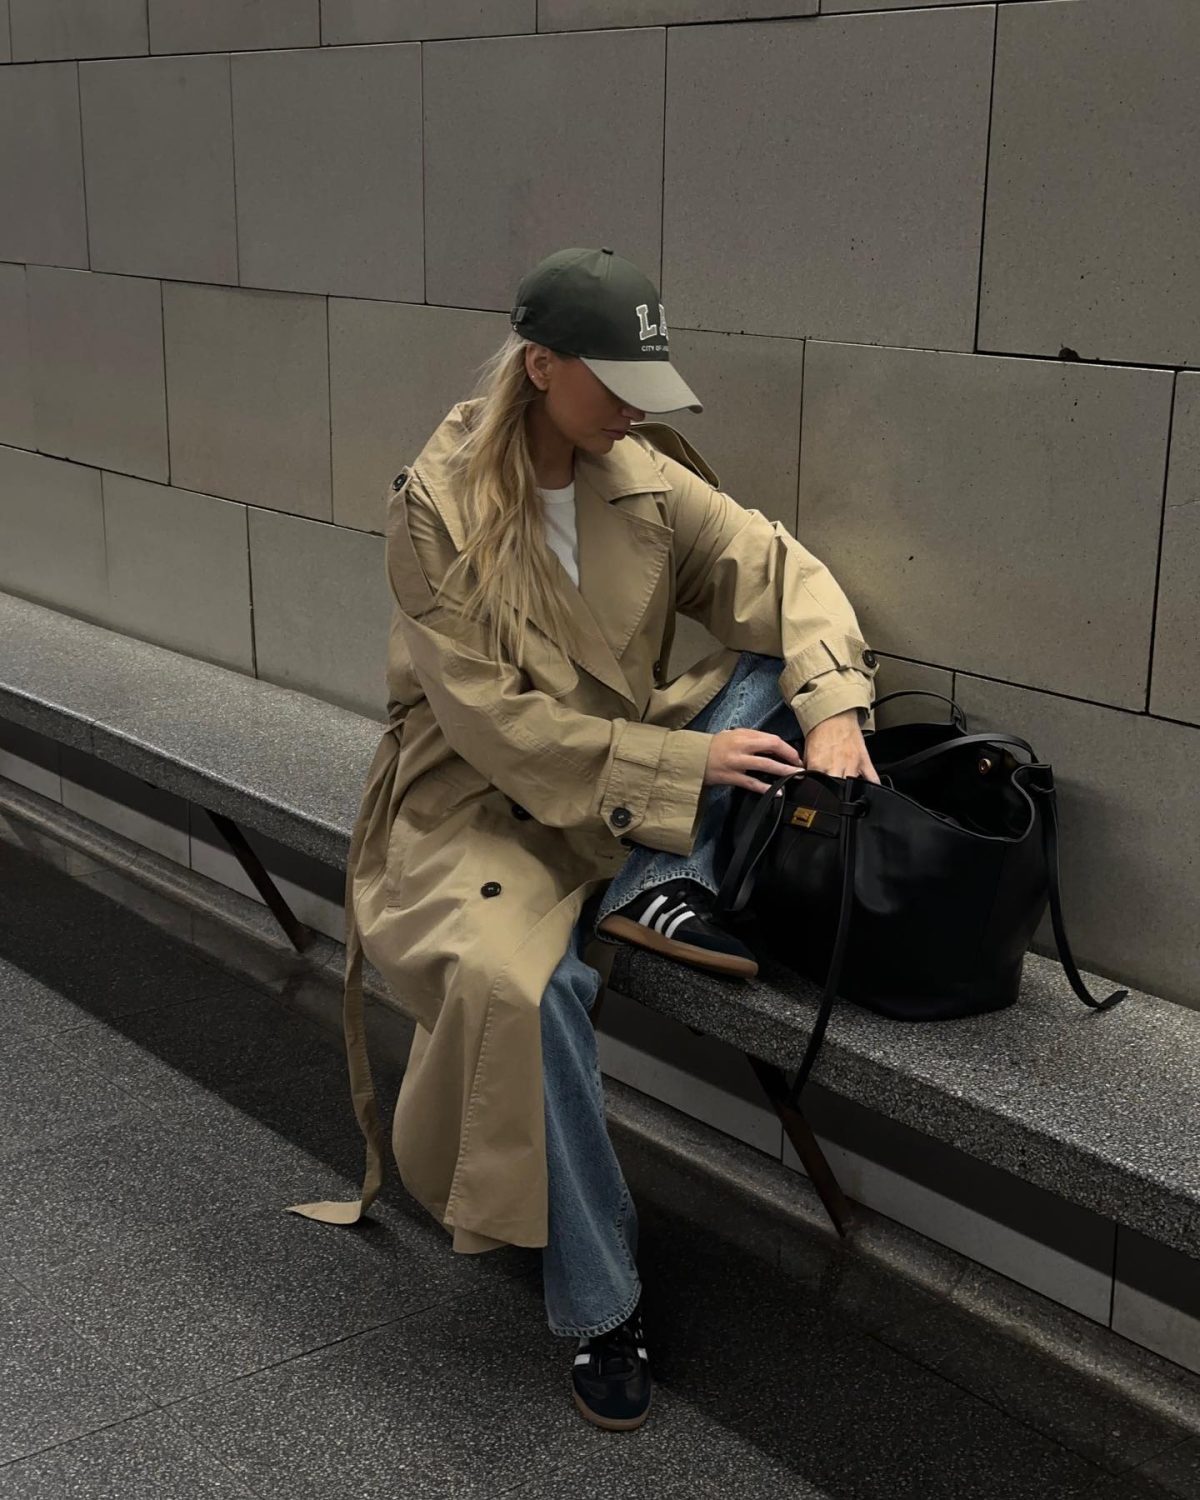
918 897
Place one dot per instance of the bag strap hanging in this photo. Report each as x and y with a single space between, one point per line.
738 880
1041 780
847 845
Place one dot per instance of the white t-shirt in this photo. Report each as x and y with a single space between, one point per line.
559 509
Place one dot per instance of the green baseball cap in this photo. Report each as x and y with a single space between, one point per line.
600 307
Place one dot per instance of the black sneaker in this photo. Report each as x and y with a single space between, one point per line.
676 919
611 1376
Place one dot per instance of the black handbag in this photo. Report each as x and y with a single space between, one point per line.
917 897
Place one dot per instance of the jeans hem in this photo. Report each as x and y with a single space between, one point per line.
594 1331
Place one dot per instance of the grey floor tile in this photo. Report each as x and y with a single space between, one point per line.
1078 1411
189 1306
466 1399
96 957
145 1458
110 1184
55 1385
681 1451
214 1041
856 1419
295 1139
49 1096
1177 1470
34 1008
270 1135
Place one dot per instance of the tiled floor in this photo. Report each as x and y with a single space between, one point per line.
167 1331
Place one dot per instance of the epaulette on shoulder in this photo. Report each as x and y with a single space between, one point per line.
671 441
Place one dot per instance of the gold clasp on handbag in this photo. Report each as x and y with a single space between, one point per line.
802 817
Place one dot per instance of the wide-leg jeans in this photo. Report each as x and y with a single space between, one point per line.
589 1264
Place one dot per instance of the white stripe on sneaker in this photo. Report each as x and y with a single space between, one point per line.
582 1359
646 917
668 914
669 932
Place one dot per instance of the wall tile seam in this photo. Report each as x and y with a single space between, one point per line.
329 413
162 329
87 228
987 162
1010 354
424 215
237 242
1162 529
248 505
490 36
108 593
250 597
1026 687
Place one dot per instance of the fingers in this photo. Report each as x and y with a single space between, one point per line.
736 778
757 742
764 763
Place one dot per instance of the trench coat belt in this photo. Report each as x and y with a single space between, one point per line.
362 1087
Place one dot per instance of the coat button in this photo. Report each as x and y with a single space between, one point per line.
870 658
658 669
519 812
628 844
620 817
398 482
492 888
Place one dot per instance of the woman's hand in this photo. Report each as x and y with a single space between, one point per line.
734 753
836 746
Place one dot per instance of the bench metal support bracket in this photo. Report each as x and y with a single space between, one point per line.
298 935
808 1148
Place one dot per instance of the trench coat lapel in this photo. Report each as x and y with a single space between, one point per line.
621 558
621 554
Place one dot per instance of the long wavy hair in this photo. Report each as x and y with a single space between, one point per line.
505 569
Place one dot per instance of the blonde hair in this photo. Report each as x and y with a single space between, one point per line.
505 565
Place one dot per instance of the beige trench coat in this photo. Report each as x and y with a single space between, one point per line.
502 795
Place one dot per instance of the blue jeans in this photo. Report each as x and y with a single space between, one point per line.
589 1264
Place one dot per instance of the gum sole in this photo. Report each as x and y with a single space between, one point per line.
700 958
611 1424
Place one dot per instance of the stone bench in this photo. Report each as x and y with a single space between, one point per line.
251 754
1098 1109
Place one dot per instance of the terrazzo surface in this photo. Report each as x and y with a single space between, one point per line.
167 1331
284 763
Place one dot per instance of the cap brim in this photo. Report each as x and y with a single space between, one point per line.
648 384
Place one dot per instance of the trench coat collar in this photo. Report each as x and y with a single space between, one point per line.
621 554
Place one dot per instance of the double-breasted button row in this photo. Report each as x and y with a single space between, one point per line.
620 817
492 888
